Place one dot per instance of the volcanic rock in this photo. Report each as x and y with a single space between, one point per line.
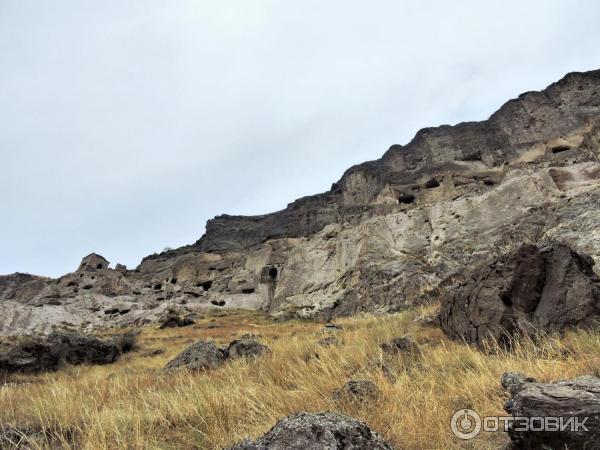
201 355
34 354
246 348
548 287
575 400
317 431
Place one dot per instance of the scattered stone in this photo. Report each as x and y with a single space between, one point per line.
206 355
404 345
573 400
173 320
317 431
549 288
201 355
359 391
246 348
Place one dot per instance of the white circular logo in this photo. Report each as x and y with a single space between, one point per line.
465 424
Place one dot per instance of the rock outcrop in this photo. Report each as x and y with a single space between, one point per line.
35 355
558 408
201 355
389 234
317 431
205 355
548 287
246 347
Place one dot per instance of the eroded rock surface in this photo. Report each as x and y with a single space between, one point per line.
246 347
546 287
35 354
577 401
201 355
317 431
206 355
389 234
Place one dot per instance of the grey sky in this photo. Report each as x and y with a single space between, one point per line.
125 125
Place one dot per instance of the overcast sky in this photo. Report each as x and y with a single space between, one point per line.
125 125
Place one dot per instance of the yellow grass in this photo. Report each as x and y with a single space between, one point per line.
133 405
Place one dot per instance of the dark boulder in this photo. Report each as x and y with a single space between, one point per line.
84 349
173 320
36 354
201 355
31 356
317 431
404 345
246 348
548 287
575 404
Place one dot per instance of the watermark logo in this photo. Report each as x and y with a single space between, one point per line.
467 424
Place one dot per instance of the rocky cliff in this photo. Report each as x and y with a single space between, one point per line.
389 234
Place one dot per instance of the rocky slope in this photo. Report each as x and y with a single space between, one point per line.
389 234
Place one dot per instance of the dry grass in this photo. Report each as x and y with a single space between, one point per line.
132 405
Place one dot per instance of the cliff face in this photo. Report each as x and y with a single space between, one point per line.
388 234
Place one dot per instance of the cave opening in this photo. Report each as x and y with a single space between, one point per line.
248 291
433 183
406 198
273 273
560 148
206 285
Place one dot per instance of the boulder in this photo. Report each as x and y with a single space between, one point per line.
78 348
31 356
548 287
404 345
175 320
575 400
246 348
317 431
201 355
35 355
357 391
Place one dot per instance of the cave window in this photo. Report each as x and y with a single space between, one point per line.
99 266
506 299
406 198
560 148
273 273
206 285
158 287
248 291
433 183
173 280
